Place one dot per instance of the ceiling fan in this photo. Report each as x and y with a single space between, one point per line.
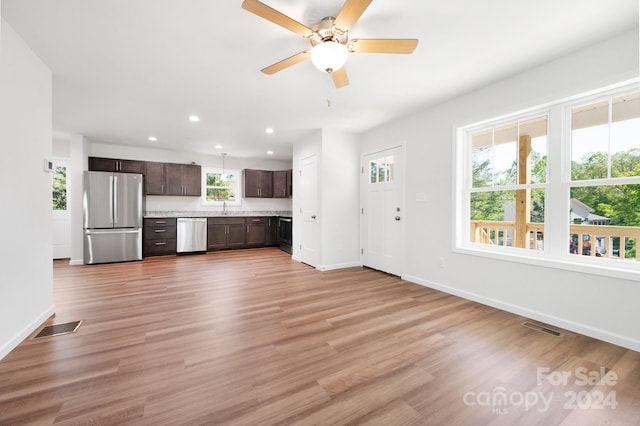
329 38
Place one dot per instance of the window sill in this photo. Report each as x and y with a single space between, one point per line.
581 264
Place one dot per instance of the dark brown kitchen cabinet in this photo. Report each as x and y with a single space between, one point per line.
154 179
258 183
226 233
272 231
256 231
183 179
173 179
159 236
280 186
290 182
115 165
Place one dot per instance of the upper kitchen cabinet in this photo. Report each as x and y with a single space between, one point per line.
154 179
114 165
173 179
183 179
258 183
290 182
280 185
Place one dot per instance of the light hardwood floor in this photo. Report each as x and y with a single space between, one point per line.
254 338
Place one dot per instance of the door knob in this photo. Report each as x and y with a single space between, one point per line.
398 218
313 217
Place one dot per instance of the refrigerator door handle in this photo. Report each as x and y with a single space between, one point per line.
116 231
111 200
115 200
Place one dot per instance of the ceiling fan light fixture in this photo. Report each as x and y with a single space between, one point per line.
329 56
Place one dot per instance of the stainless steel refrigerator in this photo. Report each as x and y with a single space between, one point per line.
112 205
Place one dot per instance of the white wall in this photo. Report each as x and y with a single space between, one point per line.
78 148
26 287
605 308
338 160
340 200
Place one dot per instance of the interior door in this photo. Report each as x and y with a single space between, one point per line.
61 213
382 211
309 241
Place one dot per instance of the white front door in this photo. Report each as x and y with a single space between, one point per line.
382 211
60 206
309 241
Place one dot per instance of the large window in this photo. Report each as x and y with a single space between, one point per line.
605 167
569 193
221 187
508 175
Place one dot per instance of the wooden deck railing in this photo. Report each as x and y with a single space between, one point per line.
599 237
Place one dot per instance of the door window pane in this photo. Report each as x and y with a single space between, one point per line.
381 170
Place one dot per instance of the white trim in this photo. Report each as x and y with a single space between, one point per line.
338 266
579 328
30 328
569 262
556 188
203 197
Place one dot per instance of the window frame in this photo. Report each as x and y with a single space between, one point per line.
238 187
557 190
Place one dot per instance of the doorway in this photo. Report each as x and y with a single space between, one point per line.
60 210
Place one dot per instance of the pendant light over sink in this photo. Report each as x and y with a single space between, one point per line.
223 176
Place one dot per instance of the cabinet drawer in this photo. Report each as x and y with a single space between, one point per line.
159 232
225 221
251 220
159 246
160 221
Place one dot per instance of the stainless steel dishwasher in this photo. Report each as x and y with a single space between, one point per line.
191 235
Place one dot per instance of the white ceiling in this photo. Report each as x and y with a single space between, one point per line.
127 69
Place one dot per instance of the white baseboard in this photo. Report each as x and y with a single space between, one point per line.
583 329
338 266
74 262
18 338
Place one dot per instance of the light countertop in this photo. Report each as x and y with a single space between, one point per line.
217 213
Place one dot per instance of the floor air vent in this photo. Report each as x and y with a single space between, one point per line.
58 329
542 329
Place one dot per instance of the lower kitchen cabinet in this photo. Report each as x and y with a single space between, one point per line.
159 236
272 231
256 231
223 233
226 233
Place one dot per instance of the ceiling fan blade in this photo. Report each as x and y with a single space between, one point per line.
340 78
278 18
350 12
383 45
286 63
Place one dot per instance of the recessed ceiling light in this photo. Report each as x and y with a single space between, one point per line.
194 118
269 130
152 139
218 146
269 152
